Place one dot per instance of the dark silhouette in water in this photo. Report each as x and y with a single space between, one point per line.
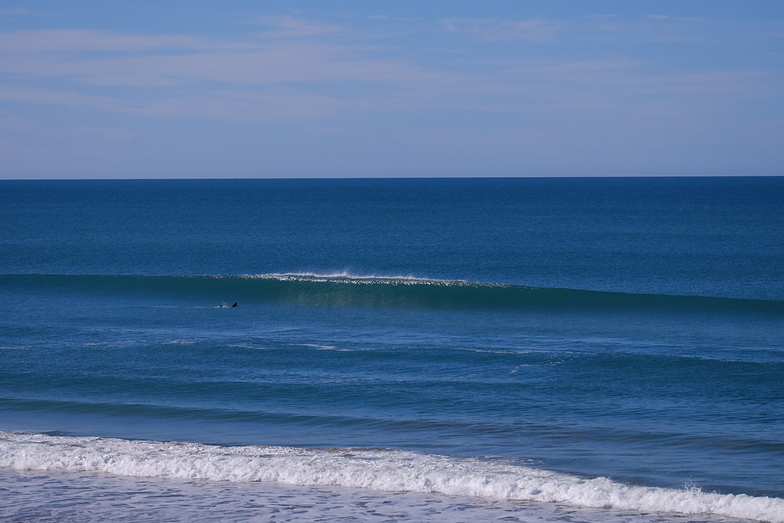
235 304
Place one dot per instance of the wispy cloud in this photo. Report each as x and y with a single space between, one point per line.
261 63
257 78
69 40
290 26
56 97
242 106
18 12
310 75
670 18
490 29
668 29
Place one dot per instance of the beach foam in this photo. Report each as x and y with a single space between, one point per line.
379 470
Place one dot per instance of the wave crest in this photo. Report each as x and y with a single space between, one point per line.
402 292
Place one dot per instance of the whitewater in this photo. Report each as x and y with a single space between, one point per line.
381 470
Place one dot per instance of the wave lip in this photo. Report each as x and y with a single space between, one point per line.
377 469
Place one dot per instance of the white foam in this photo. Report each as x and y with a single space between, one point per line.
335 275
90 496
349 278
380 470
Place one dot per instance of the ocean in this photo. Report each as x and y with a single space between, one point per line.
570 349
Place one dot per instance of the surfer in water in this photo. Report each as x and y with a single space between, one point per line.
235 304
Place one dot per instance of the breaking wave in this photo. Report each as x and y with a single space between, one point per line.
377 469
403 292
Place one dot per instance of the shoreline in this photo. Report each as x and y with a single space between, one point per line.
91 496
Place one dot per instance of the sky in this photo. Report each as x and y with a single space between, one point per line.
364 88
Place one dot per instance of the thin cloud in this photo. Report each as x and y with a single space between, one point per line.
69 40
671 18
300 79
660 28
19 12
239 106
589 67
164 60
55 97
295 27
235 106
174 76
490 30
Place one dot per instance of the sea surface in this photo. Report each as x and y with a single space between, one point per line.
592 350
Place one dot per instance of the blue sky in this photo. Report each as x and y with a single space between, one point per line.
360 88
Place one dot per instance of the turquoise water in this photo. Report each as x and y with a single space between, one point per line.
606 343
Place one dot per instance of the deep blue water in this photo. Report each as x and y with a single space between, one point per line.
623 328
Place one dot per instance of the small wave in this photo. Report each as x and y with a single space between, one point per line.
376 469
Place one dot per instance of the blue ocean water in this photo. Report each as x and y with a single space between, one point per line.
608 346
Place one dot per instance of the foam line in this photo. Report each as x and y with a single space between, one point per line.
381 470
